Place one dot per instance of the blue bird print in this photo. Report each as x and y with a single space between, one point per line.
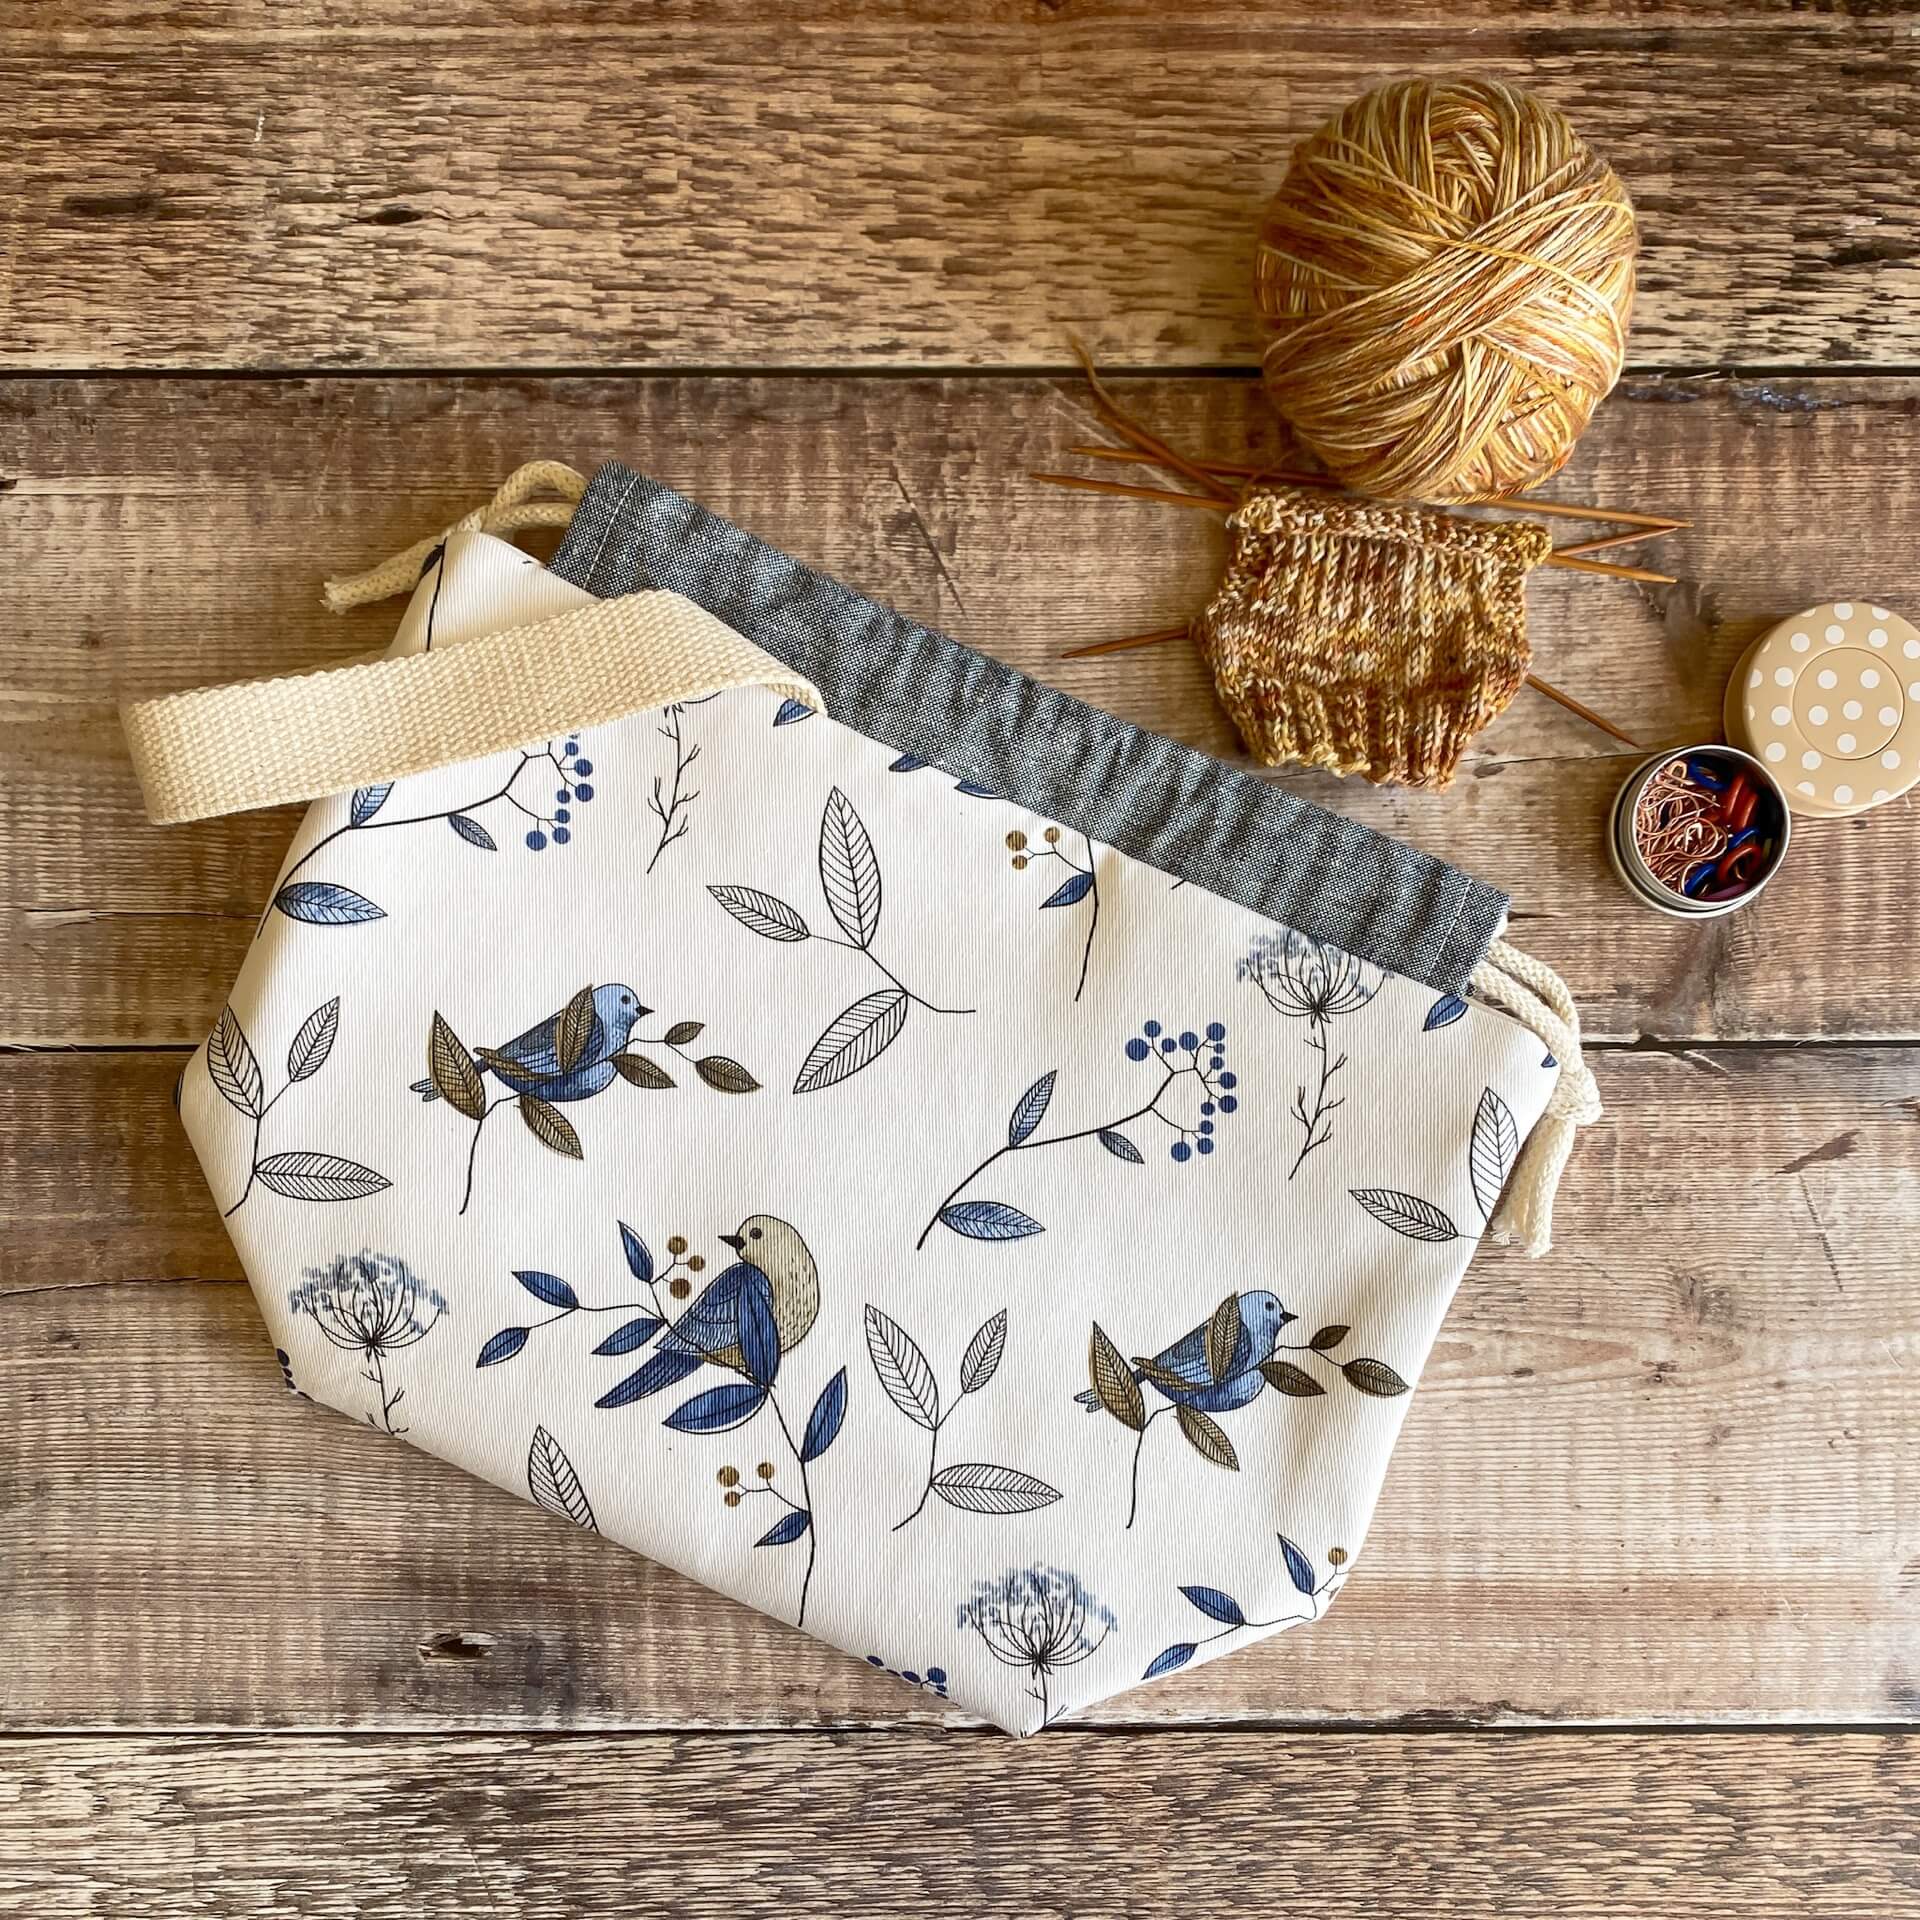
1184 1373
1218 1368
531 1062
746 1320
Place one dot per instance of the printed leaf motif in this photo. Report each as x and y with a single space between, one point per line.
1328 1338
1217 1605
1120 1146
759 1341
1207 1437
1030 1110
1113 1382
1299 1567
1176 1655
1496 1141
367 801
314 1041
718 1410
1407 1213
983 1353
636 1333
639 1260
550 1127
472 832
974 790
1444 1012
574 1030
322 903
903 1370
988 1220
684 1032
724 1075
1070 892
550 1288
554 1484
974 1486
1374 1377
1284 1376
790 711
507 1066
856 1039
638 1071
849 872
908 763
232 1067
1161 1376
318 1176
455 1078
503 1346
1223 1336
786 1530
823 1423
761 913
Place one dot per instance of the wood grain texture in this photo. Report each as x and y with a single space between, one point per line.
167 532
1586 1827
1666 1474
356 185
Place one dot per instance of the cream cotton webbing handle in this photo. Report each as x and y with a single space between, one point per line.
265 743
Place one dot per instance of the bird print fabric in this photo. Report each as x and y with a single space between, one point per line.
790 1189
531 1061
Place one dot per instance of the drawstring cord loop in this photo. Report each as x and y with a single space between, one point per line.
1537 997
512 507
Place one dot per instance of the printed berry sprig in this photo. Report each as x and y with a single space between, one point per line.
1196 1090
1231 1617
327 903
1081 883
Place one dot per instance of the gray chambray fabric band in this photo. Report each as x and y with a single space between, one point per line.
924 694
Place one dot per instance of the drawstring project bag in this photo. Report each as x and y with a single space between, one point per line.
952 1170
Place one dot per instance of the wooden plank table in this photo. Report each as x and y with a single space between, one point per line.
285 287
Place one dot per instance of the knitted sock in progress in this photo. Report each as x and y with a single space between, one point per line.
1366 636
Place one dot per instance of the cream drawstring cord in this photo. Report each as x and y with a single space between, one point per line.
512 507
1537 997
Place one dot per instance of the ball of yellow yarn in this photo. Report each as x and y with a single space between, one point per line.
1447 271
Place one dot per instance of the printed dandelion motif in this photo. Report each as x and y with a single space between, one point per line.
327 903
1230 1617
1040 1620
850 880
373 1305
1080 884
1304 979
1196 1089
305 1173
568 1057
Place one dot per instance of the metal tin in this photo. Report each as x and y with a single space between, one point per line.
1633 871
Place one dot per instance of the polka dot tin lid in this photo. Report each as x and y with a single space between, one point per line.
1830 701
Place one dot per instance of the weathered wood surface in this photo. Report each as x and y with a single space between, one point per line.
356 185
165 532
1666 1474
1399 1827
